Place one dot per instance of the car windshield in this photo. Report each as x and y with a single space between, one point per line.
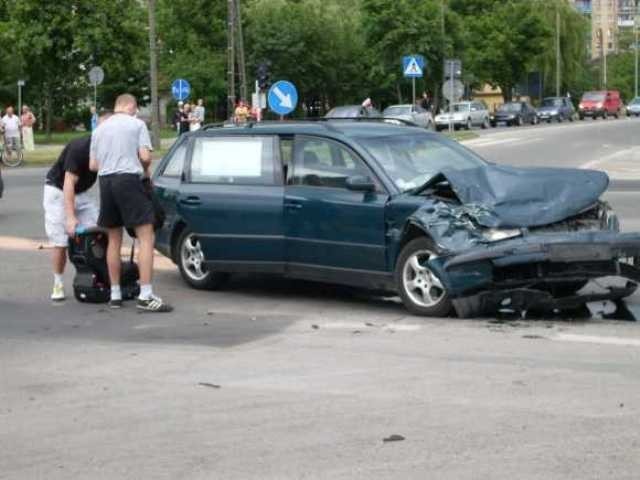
552 102
593 96
391 111
460 107
635 101
412 159
510 107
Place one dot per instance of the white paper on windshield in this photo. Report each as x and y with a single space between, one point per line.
231 158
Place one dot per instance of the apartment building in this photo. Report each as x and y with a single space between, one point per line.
608 17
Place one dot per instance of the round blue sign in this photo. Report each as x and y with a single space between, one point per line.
283 97
180 89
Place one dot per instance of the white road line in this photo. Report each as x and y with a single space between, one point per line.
618 341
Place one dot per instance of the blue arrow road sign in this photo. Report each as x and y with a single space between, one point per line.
180 89
283 97
413 66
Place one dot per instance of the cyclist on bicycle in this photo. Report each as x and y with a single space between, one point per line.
11 125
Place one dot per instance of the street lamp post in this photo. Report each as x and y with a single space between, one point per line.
20 85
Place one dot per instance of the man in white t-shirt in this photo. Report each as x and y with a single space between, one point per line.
11 126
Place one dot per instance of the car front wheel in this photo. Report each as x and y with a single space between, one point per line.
191 263
421 290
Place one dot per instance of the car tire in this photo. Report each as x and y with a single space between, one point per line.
605 115
190 261
468 125
420 290
519 121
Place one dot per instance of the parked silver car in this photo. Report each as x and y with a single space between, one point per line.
633 108
465 115
411 113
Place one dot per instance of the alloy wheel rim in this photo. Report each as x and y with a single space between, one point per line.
422 287
193 258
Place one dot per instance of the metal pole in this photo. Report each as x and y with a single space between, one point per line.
557 51
414 90
19 99
95 92
451 80
153 65
231 87
635 48
240 52
444 48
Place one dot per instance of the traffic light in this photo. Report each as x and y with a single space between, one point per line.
264 76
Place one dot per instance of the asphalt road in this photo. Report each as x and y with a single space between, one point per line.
272 380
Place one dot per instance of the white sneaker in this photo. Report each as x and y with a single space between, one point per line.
58 293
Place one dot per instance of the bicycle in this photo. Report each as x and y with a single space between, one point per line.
11 152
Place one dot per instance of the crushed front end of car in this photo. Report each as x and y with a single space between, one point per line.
525 240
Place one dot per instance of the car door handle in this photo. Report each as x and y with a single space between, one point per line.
191 200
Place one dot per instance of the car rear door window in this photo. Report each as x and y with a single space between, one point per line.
324 163
234 160
175 165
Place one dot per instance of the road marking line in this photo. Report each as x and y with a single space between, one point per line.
619 341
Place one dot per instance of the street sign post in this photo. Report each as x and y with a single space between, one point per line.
413 67
282 97
452 72
21 84
96 77
180 89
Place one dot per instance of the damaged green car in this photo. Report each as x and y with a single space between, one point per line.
389 207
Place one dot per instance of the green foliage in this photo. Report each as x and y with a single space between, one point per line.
315 43
192 45
505 36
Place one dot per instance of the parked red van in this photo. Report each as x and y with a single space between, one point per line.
600 104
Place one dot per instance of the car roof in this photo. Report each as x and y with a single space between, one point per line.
326 127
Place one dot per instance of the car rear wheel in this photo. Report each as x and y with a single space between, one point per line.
191 263
421 290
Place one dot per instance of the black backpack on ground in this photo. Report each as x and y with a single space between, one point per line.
88 253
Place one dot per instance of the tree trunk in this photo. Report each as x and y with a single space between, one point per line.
507 93
47 103
399 93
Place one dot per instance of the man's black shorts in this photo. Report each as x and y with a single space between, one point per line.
123 202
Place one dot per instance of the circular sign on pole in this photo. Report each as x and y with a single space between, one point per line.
180 89
453 87
96 76
282 97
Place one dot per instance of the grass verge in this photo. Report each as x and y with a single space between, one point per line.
44 157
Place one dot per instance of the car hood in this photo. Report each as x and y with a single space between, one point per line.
500 196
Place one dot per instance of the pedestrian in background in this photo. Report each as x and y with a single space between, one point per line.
194 120
94 118
176 117
28 120
185 121
241 113
425 101
199 111
121 154
11 126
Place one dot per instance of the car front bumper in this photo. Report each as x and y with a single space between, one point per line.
524 271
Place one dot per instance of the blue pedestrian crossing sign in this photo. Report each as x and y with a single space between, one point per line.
180 89
413 66
282 97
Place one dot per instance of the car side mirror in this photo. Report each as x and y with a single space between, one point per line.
360 183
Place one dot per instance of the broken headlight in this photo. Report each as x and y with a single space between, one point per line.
497 234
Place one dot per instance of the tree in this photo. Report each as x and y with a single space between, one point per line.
317 44
191 39
505 38
56 43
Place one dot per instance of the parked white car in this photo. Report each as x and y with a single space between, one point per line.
464 115
411 113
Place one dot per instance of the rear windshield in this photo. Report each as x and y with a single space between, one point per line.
510 107
594 96
461 107
552 102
